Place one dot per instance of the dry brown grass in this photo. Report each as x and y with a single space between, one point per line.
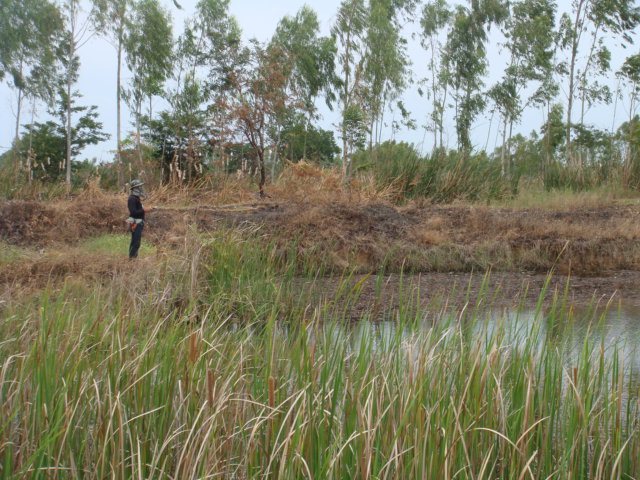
171 274
305 182
351 226
62 222
207 191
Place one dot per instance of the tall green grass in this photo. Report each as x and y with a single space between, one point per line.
442 177
241 382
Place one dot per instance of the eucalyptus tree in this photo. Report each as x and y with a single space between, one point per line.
349 33
48 140
630 76
466 60
79 27
312 63
209 47
529 39
386 66
595 18
114 20
215 43
149 47
436 18
29 32
191 129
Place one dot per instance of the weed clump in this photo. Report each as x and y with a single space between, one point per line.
205 370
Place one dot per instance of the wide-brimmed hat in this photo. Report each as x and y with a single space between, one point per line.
136 184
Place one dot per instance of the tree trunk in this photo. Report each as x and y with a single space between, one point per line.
503 154
373 132
118 98
263 178
629 157
344 152
441 114
30 156
434 94
272 161
273 156
306 133
509 138
346 101
585 72
380 123
572 69
138 134
547 145
68 136
16 142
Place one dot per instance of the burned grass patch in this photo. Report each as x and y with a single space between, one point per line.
364 236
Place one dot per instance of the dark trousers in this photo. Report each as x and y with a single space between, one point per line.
136 239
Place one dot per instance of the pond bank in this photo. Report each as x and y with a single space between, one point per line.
496 290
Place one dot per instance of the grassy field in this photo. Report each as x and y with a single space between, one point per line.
219 361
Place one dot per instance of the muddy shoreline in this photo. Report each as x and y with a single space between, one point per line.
499 290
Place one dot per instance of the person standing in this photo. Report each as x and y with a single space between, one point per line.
136 216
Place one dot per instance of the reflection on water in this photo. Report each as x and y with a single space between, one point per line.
605 332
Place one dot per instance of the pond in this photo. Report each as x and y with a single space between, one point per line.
600 315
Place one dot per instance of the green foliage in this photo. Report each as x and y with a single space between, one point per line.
224 95
312 58
212 39
457 176
181 136
442 177
45 143
436 16
29 31
466 62
393 163
303 142
558 176
149 47
596 18
348 31
354 129
249 279
386 66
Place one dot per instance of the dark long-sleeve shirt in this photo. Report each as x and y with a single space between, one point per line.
135 207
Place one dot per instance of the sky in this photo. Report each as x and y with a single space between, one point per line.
258 19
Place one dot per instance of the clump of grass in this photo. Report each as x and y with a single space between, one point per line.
535 196
443 177
114 245
123 382
11 253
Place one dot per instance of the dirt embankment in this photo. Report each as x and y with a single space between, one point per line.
431 238
43 224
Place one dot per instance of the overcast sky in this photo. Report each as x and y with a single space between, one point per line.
258 18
